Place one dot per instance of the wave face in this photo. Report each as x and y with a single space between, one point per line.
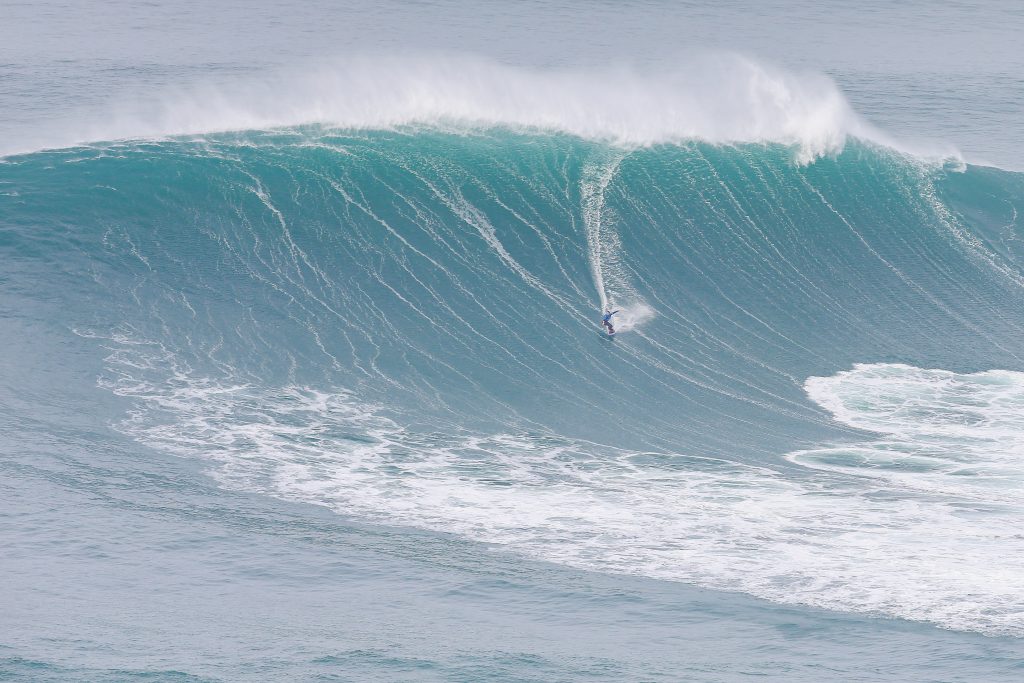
403 325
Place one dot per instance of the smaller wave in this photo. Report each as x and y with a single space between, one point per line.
719 99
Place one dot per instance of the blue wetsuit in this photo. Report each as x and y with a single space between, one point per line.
606 320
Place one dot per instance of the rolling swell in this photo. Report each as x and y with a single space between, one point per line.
402 325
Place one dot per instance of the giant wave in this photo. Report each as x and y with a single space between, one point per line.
401 323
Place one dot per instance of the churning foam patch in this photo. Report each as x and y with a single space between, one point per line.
959 434
719 99
828 541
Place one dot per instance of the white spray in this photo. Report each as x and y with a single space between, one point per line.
604 248
718 99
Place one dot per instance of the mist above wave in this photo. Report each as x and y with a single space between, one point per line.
719 99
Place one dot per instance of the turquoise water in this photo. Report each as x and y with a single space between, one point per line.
305 379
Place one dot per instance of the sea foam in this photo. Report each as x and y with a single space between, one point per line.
836 542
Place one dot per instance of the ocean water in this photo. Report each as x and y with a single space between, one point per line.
304 378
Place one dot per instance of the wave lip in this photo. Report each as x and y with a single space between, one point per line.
719 99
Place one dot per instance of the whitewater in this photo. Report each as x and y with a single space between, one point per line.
370 293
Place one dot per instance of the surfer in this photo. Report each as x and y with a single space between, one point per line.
606 320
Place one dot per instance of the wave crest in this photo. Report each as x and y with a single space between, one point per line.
719 99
